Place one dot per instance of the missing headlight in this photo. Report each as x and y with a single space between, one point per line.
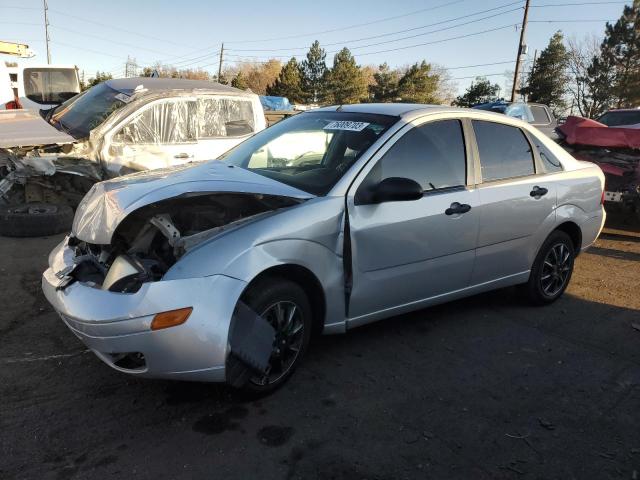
126 275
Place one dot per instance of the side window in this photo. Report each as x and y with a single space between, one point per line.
540 115
504 151
168 122
225 117
549 160
432 154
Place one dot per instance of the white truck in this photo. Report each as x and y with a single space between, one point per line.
41 86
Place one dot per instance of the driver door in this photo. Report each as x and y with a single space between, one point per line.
161 134
407 252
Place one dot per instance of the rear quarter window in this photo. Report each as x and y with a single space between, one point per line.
504 151
540 115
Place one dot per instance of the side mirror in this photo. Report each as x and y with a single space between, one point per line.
393 189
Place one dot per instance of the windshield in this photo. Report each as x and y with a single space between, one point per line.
616 119
82 113
310 151
50 85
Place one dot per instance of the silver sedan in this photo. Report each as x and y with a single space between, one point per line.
334 218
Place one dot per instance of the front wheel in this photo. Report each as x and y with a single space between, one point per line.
552 269
284 304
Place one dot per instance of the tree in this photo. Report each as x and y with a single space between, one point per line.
419 84
547 81
239 81
385 88
480 91
314 70
621 51
345 82
289 83
591 78
99 78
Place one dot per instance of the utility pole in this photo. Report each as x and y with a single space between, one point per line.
46 30
516 75
220 64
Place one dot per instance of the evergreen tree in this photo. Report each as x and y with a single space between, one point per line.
419 84
386 87
547 82
239 81
345 82
599 87
314 70
480 91
289 83
621 52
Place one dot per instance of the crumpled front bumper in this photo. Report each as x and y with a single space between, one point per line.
112 324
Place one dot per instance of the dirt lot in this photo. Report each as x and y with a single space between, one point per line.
479 388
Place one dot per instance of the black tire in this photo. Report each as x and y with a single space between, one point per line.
547 282
259 297
34 219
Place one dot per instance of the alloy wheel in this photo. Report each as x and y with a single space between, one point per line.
286 318
555 269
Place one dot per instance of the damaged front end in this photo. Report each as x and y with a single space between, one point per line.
150 240
55 174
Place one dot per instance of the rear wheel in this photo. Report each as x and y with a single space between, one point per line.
285 305
552 269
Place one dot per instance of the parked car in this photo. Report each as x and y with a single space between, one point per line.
537 114
50 159
615 149
627 118
42 86
223 270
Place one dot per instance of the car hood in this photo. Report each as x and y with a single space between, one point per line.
108 203
26 128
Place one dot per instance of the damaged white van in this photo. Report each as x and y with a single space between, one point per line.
50 159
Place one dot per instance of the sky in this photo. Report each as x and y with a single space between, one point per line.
464 36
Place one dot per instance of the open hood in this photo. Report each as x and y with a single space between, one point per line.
26 128
108 203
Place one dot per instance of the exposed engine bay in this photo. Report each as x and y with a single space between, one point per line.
57 174
151 239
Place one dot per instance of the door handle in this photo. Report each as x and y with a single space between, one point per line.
538 191
457 208
182 155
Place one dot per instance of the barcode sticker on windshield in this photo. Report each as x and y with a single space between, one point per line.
346 125
123 97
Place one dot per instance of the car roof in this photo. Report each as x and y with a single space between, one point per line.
156 85
394 109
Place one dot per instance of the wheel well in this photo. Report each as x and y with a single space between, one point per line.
574 233
309 283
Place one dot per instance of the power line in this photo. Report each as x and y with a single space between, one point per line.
348 27
577 4
132 32
403 38
433 42
395 32
105 39
570 21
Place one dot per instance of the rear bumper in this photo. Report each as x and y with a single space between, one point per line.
592 227
115 324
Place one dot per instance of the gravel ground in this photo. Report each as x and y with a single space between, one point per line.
480 388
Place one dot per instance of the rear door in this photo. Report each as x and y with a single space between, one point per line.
223 122
516 198
404 252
